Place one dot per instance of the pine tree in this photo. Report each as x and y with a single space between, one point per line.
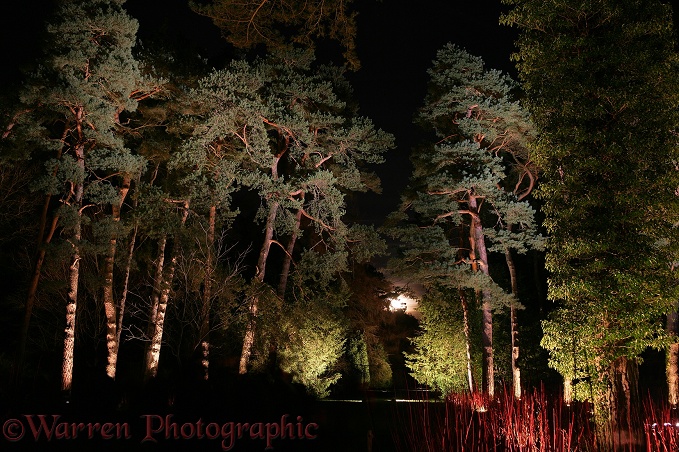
88 79
465 203
284 129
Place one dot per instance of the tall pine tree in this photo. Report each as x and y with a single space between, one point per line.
88 80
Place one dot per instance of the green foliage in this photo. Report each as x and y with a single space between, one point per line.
314 340
601 80
281 126
439 359
380 369
357 351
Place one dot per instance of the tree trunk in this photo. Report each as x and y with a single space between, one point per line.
157 287
249 339
672 362
37 269
109 304
158 313
467 340
514 332
207 295
567 391
123 298
480 259
622 401
285 271
30 298
73 274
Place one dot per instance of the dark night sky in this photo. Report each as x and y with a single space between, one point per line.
397 41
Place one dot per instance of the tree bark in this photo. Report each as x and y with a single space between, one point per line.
157 286
74 270
467 340
123 298
672 361
249 339
567 391
285 271
158 314
480 259
109 304
622 433
514 332
207 295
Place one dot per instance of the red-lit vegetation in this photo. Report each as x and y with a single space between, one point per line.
538 422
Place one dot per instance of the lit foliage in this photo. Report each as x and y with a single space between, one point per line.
314 338
601 79
439 359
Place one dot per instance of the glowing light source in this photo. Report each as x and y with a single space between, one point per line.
401 303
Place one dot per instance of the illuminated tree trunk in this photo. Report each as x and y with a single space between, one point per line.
285 272
249 339
109 304
480 258
622 433
157 286
158 314
467 340
672 365
207 296
516 370
74 269
567 390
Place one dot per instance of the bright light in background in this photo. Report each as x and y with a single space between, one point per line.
403 303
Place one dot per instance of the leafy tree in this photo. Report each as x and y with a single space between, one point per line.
315 343
465 202
440 357
601 82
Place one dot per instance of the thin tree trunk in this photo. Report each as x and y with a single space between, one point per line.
672 361
74 271
516 370
123 298
207 295
30 298
481 259
109 304
41 243
467 340
158 315
249 339
285 271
